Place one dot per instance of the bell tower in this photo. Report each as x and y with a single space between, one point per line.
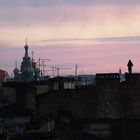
27 70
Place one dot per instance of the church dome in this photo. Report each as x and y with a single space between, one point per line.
16 70
26 47
33 61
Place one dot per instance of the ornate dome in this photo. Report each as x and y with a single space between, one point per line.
16 70
26 47
33 61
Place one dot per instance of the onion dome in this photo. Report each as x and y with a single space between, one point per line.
33 62
16 70
26 47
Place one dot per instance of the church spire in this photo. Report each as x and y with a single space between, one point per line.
32 55
15 64
26 41
26 48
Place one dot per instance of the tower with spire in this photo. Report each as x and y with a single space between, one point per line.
26 67
29 71
16 72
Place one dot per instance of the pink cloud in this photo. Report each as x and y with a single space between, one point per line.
93 58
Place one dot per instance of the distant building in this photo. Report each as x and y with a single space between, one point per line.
122 76
2 78
7 95
29 71
2 75
62 83
85 80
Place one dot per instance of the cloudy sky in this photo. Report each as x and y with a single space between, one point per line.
98 35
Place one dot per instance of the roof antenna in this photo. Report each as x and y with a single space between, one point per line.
76 69
120 70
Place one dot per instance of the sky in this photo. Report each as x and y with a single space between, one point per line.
98 35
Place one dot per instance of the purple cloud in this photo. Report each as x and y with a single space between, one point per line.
16 3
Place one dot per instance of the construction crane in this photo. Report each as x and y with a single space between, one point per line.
76 74
57 70
53 69
45 72
76 70
50 70
42 63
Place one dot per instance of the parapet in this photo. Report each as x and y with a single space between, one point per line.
104 78
107 76
132 78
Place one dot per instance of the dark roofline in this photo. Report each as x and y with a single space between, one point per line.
24 84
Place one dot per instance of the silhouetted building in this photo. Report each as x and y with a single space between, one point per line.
84 80
62 83
106 79
29 71
2 75
109 108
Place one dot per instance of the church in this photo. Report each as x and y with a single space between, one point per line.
29 70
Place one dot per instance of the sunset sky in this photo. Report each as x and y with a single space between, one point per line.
98 35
